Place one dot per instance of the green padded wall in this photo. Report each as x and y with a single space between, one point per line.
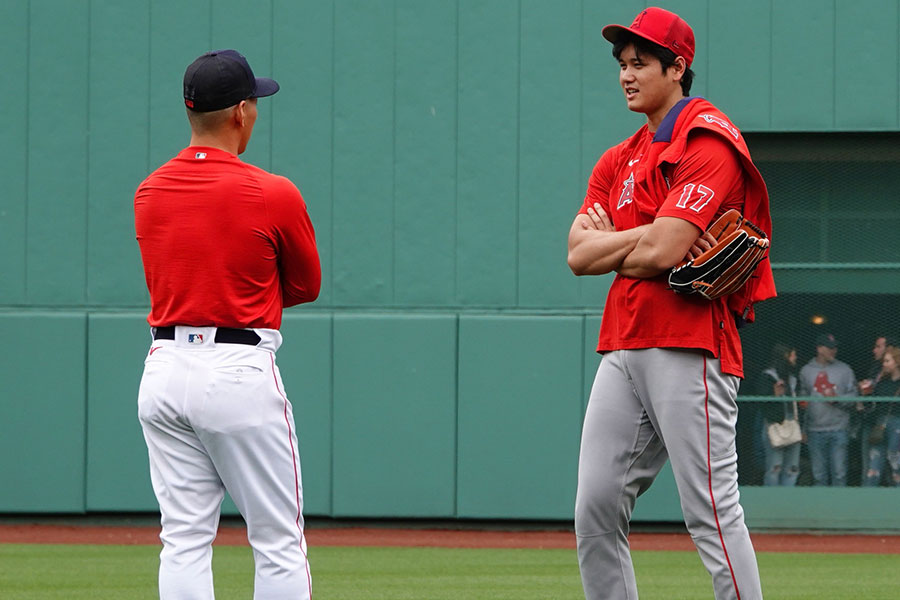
486 190
302 142
305 363
118 476
394 415
463 131
58 81
13 167
442 148
42 429
116 150
520 399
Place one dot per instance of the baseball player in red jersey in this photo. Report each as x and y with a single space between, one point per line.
225 246
667 383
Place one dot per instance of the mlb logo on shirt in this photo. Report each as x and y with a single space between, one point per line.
200 155
195 338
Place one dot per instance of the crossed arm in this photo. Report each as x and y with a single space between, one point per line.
595 247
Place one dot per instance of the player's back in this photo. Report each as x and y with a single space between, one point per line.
207 242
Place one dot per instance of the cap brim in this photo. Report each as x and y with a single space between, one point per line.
612 32
265 87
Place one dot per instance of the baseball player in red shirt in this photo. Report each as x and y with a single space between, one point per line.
225 246
672 363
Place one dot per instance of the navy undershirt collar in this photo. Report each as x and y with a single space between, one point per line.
664 133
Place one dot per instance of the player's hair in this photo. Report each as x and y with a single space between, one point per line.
208 122
665 56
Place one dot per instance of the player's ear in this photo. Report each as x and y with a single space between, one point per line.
678 68
239 115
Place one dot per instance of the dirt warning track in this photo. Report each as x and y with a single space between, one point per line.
38 533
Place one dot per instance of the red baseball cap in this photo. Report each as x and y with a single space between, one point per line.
660 27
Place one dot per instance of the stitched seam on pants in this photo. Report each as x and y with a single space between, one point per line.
592 535
635 454
712 498
296 478
703 537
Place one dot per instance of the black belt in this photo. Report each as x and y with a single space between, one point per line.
224 335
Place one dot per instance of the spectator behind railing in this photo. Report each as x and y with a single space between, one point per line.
884 433
866 386
779 379
827 421
867 414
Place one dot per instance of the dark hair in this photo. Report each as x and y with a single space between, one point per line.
779 361
665 56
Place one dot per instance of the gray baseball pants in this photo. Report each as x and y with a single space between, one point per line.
646 406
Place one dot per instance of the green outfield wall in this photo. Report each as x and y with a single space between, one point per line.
442 147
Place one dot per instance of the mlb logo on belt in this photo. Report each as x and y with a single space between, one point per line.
195 338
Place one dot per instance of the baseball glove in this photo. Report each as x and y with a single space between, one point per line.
724 268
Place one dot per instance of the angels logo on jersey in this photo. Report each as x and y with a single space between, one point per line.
823 385
627 194
721 123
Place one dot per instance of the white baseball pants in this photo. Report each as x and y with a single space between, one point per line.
646 406
215 417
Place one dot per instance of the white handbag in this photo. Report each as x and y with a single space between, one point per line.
785 433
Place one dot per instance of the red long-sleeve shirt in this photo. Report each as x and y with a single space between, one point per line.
224 243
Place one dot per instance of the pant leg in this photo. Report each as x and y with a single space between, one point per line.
790 469
692 405
892 448
839 443
184 479
248 429
875 461
620 456
864 431
774 459
818 457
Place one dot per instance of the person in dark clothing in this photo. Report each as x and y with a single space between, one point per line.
884 434
780 379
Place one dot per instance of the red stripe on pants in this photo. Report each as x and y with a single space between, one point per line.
712 497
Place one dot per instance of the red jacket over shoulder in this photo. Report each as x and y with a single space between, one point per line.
695 167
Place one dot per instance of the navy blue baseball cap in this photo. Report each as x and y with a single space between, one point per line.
827 340
222 78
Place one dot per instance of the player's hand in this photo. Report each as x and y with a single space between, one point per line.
599 219
701 245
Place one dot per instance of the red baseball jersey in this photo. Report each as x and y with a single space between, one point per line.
224 243
691 169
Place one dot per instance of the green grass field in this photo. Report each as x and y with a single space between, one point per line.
32 572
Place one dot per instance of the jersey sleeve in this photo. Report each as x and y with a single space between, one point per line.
703 180
600 181
295 241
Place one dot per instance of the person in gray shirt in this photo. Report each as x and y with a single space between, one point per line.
827 421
